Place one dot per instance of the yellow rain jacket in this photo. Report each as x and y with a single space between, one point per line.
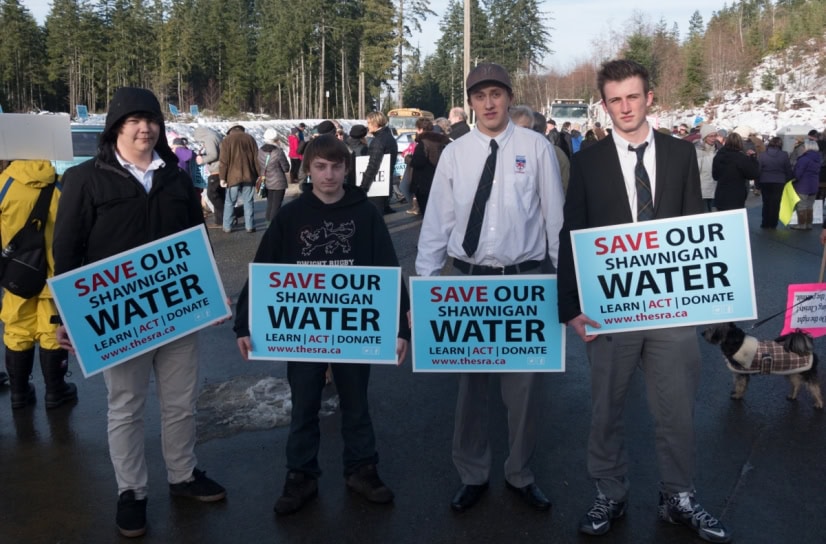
27 320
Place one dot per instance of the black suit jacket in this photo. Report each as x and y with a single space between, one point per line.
597 197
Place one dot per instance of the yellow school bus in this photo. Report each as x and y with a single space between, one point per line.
404 119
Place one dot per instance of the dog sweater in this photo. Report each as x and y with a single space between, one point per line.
767 357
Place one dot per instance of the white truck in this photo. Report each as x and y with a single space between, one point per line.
572 110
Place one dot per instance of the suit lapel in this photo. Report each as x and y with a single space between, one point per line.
661 149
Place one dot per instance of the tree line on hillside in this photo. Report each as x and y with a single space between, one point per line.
712 58
316 58
342 58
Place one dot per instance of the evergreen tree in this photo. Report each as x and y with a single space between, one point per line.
410 14
694 89
519 36
22 61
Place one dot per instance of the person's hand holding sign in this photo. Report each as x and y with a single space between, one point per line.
578 324
401 350
245 346
63 339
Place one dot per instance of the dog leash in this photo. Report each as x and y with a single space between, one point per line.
762 321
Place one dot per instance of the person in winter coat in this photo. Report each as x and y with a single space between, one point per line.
589 140
28 321
210 141
458 123
331 206
382 143
706 149
273 165
293 141
239 172
356 142
423 160
130 194
807 174
775 171
732 168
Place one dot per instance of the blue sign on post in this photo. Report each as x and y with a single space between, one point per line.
174 110
344 314
141 299
666 273
486 324
193 110
82 112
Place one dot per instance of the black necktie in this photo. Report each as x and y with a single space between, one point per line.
645 204
477 212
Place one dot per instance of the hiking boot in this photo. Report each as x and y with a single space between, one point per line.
131 516
684 508
298 490
598 519
366 482
199 487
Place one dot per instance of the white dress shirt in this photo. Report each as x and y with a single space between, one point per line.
523 214
144 177
628 162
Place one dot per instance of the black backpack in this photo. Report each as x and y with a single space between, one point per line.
23 267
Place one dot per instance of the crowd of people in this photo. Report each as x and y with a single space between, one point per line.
733 164
139 188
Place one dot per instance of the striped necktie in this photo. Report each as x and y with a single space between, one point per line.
645 204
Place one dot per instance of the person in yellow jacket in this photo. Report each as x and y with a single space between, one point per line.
29 321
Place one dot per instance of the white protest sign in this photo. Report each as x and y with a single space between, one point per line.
381 185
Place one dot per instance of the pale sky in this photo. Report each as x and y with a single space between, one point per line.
575 24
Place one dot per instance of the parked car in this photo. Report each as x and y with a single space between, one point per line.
85 141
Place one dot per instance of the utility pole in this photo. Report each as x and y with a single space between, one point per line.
466 57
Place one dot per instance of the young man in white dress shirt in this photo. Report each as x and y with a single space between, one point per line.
520 226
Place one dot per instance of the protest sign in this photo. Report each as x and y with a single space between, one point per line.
806 309
666 273
381 185
29 136
328 314
136 301
486 324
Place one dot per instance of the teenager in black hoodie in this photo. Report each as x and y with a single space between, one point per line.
362 239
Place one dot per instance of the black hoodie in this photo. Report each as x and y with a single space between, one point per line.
350 232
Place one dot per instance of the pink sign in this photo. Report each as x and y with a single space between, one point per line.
806 309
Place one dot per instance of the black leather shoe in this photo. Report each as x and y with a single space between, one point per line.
467 496
532 495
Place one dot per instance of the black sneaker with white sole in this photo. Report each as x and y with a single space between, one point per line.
683 508
131 515
199 487
598 519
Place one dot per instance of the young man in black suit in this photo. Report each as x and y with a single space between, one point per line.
604 191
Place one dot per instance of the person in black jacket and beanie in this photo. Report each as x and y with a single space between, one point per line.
775 171
130 194
732 168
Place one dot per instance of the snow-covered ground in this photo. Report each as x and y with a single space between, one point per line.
255 128
797 98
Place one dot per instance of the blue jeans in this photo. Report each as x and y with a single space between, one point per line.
244 191
306 384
